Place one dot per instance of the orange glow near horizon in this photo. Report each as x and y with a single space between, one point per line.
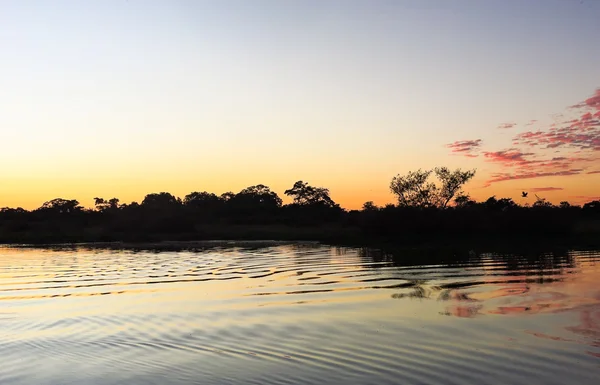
217 98
581 190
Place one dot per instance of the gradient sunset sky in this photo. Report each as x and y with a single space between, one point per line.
119 98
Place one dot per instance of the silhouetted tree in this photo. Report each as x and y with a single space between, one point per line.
104 205
305 194
565 205
414 189
201 200
161 201
541 202
491 202
132 205
463 201
501 204
8 210
259 195
227 196
592 207
61 206
203 215
369 206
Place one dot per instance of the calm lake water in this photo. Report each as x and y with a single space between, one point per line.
297 314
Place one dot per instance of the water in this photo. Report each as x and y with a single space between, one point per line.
297 314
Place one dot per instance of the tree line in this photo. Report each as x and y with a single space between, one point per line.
431 204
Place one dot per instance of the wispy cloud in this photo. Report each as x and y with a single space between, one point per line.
509 157
466 148
594 101
591 102
582 133
501 177
531 162
569 145
585 198
542 189
505 126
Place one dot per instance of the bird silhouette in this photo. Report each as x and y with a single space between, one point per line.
524 194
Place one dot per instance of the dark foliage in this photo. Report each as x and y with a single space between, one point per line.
257 212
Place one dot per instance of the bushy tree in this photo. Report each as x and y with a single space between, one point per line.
305 194
105 205
201 200
369 206
541 202
9 210
227 196
593 206
463 200
61 206
161 201
259 195
501 204
415 190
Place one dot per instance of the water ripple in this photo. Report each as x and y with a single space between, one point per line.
296 314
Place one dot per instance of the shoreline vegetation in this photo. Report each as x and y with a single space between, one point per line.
427 214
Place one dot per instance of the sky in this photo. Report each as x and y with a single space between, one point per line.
120 98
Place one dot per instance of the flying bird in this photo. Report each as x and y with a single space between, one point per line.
524 194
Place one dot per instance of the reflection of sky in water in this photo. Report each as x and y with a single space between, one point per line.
296 314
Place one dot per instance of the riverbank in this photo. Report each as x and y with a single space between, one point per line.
266 235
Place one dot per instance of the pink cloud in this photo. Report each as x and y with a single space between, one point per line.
584 198
530 163
504 126
542 189
567 146
578 105
594 101
510 157
531 122
591 102
501 177
466 148
582 133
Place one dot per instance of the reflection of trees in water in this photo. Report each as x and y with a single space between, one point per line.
521 278
532 260
421 290
468 311
464 305
415 256
523 261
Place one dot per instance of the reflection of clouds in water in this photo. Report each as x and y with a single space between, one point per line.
587 331
547 336
529 307
468 311
589 327
589 323
578 293
574 294
526 289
